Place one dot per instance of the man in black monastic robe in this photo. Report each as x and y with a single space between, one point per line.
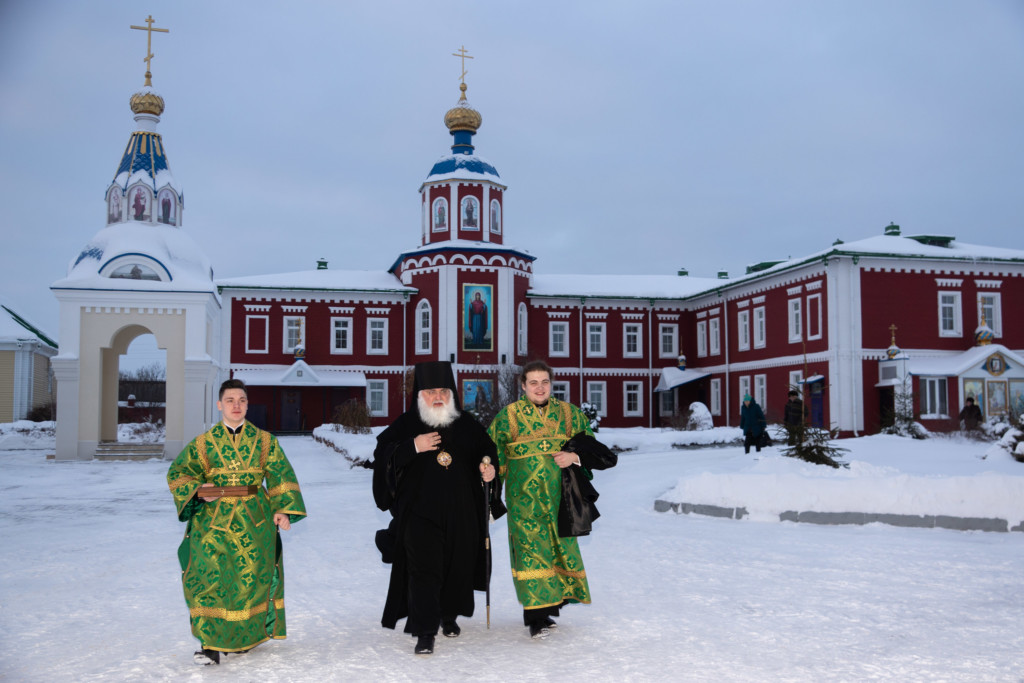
429 471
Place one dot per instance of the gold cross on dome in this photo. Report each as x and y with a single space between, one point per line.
148 28
892 328
463 55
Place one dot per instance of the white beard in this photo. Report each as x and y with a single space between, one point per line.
437 417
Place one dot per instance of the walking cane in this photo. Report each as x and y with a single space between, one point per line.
487 538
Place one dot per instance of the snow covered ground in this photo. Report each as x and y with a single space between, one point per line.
90 590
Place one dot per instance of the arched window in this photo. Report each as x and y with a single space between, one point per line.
140 203
115 205
470 213
424 316
521 325
439 215
495 217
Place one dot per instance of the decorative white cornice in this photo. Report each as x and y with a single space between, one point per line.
257 308
128 310
294 309
811 286
559 314
743 304
948 282
702 314
793 291
378 311
988 284
342 310
595 315
632 316
758 299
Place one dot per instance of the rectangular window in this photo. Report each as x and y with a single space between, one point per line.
341 335
702 338
632 394
669 340
631 340
595 340
743 330
377 397
667 403
950 315
595 396
814 316
560 390
558 339
991 310
714 339
716 397
744 388
294 333
933 397
761 391
377 335
257 334
760 329
423 324
796 325
795 380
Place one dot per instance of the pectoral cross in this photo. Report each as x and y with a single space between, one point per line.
148 28
463 55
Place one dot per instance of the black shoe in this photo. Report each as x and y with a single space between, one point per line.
549 622
539 630
206 657
450 629
424 645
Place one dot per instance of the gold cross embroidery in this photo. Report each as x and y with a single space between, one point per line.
545 445
234 480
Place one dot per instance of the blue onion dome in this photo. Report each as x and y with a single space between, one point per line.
983 335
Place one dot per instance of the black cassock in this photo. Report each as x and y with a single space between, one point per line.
436 538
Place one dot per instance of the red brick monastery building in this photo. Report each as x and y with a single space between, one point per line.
640 348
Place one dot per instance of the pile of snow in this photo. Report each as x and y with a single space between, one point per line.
700 418
26 435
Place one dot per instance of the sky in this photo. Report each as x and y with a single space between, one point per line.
633 137
675 597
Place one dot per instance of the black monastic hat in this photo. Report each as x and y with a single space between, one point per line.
434 374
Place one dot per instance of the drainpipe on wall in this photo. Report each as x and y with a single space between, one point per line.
650 363
582 386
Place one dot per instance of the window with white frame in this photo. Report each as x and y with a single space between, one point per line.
669 334
632 398
596 340
934 397
744 387
470 213
424 315
814 316
294 333
560 391
631 342
558 339
521 331
377 335
714 338
595 396
760 329
702 338
796 324
990 309
761 391
257 334
377 397
667 403
743 330
341 335
796 378
716 397
950 315
439 215
495 217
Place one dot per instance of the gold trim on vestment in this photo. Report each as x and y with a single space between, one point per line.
283 488
181 481
201 449
233 614
528 574
264 448
239 649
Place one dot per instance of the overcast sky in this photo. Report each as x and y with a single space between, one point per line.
634 137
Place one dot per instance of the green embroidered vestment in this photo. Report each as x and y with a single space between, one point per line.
232 569
547 570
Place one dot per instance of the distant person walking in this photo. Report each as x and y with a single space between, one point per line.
971 417
793 417
752 423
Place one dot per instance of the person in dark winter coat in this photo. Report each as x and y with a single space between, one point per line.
428 471
971 416
793 416
752 423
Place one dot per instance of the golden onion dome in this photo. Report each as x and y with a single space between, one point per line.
147 102
462 116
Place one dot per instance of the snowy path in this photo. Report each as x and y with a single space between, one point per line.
89 590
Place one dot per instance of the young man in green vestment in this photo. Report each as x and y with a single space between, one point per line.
232 569
529 434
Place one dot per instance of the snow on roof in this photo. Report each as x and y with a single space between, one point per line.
622 286
951 366
462 167
672 377
15 327
321 279
297 374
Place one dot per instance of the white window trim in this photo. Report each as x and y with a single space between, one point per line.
743 330
496 231
564 326
266 334
479 218
796 378
639 340
958 315
382 386
521 341
760 327
794 310
814 316
334 347
602 330
996 324
716 397
702 338
761 391
447 213
744 385
284 328
369 337
638 388
667 397
421 307
560 390
925 383
673 334
602 389
714 336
